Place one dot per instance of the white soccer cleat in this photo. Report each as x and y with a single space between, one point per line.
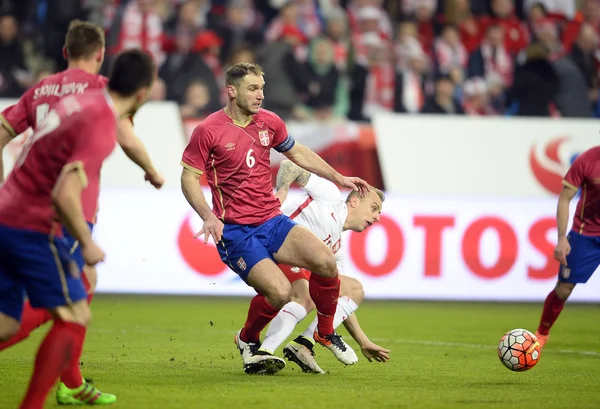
340 349
302 356
257 362
247 349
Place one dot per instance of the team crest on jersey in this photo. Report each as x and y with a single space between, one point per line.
295 269
264 137
241 264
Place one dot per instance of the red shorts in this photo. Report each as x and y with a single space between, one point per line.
294 273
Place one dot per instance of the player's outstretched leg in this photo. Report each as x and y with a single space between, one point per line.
347 304
72 388
303 249
54 354
31 319
273 289
555 301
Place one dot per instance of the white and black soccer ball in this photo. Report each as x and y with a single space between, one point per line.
519 350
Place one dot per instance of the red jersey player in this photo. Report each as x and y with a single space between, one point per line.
62 160
579 251
233 147
84 48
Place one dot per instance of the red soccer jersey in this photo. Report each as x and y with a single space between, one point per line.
237 163
585 174
66 139
36 102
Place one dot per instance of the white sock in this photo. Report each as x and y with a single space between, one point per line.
345 308
283 325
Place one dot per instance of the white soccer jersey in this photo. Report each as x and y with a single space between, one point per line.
322 210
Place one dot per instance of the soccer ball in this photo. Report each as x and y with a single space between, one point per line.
519 350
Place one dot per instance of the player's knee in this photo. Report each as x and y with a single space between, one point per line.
280 295
564 290
352 288
325 264
9 327
78 313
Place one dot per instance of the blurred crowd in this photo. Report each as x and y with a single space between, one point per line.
335 59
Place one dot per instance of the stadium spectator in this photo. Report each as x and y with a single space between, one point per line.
239 26
287 79
476 98
492 57
136 25
411 80
197 102
535 86
327 91
14 76
443 101
584 55
459 14
449 51
516 36
184 66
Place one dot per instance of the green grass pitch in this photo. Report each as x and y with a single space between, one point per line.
178 352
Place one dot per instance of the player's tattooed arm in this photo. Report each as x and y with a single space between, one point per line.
289 173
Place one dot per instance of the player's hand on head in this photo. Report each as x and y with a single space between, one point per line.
562 250
355 183
373 351
212 227
92 254
156 179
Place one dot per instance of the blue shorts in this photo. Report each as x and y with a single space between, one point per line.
38 265
583 259
242 247
74 247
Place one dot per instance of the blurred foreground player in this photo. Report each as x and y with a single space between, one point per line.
579 251
322 210
59 168
84 49
233 147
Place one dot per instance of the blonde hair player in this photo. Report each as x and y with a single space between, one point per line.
324 211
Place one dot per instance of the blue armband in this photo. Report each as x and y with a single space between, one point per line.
285 145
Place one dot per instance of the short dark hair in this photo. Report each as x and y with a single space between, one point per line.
238 71
131 71
83 39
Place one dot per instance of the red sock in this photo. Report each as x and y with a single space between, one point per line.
52 357
260 314
31 319
71 376
324 293
552 308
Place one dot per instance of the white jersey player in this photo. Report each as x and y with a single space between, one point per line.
324 211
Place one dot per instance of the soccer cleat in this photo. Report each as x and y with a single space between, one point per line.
86 394
340 349
257 362
303 356
542 339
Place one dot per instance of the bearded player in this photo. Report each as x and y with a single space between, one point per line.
84 49
323 210
232 146
57 177
579 251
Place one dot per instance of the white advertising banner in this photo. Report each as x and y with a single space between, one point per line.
495 250
452 156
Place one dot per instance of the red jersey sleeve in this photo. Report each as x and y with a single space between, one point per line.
15 119
577 172
198 150
282 141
